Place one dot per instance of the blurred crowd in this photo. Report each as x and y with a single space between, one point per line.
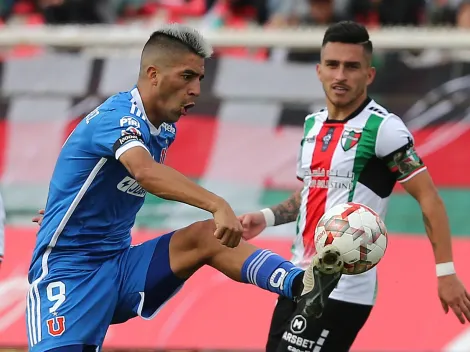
217 13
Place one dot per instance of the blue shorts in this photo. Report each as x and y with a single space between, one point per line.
76 307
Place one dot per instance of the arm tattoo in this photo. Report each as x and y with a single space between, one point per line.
288 210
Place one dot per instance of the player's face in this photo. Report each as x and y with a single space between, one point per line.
345 73
178 86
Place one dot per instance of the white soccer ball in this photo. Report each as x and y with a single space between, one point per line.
357 232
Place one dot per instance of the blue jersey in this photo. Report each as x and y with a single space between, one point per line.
93 200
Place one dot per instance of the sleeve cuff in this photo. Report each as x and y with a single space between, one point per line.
128 146
413 174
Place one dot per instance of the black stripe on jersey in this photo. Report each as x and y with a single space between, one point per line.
377 177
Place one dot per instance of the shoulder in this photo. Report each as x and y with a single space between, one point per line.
381 119
320 114
119 112
373 108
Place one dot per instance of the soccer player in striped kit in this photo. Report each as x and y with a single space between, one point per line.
353 150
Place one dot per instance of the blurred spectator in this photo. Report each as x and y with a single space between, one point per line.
219 10
78 11
6 8
449 12
389 12
463 14
308 12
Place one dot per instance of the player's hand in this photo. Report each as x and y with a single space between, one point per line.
454 295
229 229
253 224
39 218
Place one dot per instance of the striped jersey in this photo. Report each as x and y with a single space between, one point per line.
93 200
359 159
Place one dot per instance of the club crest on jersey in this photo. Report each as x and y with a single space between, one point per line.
349 139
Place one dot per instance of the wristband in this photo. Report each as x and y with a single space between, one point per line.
268 216
444 269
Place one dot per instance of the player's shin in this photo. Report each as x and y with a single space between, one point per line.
271 272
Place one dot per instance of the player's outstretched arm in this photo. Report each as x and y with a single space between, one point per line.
167 183
283 213
452 293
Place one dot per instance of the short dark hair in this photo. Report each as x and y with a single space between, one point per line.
348 32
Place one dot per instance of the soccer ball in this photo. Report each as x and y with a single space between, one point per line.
356 232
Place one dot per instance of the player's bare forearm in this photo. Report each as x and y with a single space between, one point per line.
435 218
437 227
167 183
288 210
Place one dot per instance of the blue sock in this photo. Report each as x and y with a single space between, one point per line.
271 272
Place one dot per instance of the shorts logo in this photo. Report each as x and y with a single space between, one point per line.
298 324
56 326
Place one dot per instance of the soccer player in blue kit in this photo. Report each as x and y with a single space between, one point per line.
84 274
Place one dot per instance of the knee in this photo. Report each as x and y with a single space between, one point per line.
202 237
206 227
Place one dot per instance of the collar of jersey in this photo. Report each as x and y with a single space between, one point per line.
137 100
353 114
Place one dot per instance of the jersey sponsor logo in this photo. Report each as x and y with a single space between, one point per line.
350 139
129 121
326 139
298 324
168 127
131 131
334 179
130 186
56 326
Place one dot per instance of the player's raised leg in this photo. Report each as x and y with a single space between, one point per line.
155 270
195 246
